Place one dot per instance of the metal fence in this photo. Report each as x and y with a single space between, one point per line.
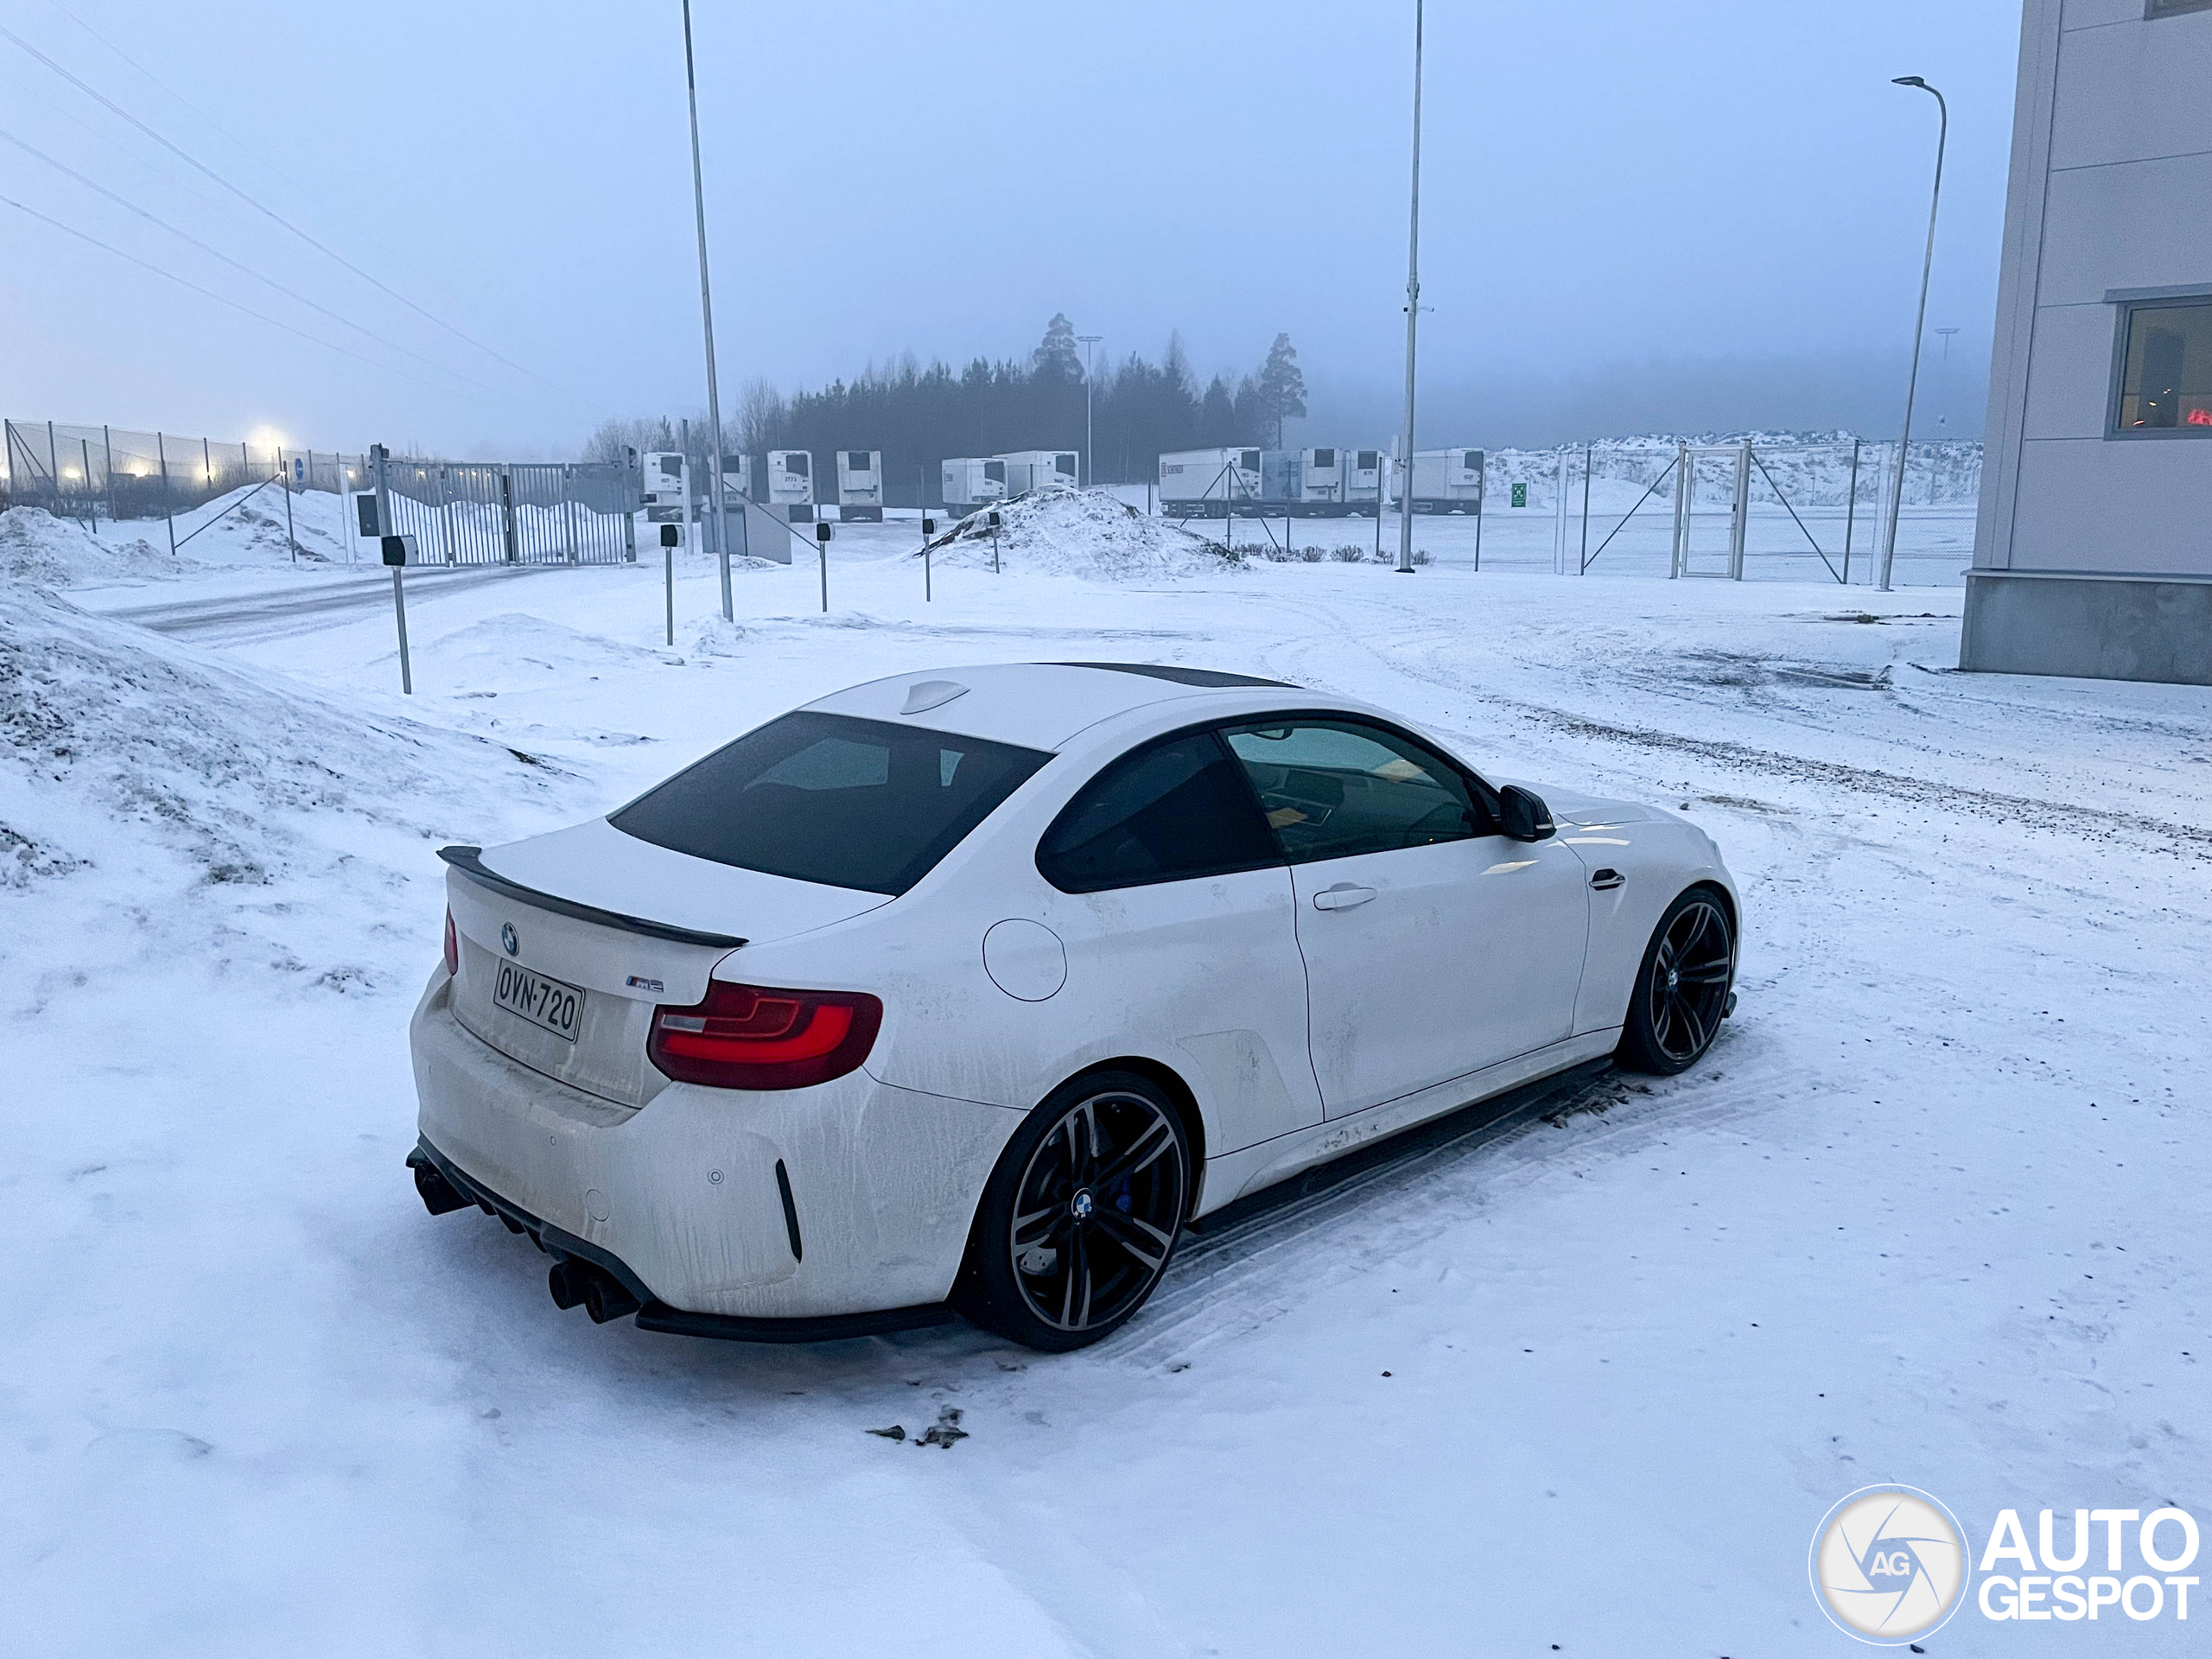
91 473
511 512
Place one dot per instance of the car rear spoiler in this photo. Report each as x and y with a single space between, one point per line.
469 861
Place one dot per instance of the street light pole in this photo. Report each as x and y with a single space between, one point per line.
1919 320
1413 322
1089 469
706 316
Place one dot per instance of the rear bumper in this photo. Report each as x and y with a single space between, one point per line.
653 1315
711 1205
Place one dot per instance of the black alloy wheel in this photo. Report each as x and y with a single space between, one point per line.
1681 991
1081 1216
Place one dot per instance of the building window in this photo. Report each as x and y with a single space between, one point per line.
2173 8
2165 369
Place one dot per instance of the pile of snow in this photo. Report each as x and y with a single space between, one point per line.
39 550
1087 533
114 741
515 647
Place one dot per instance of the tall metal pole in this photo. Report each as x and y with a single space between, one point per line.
1089 467
707 313
1919 320
1412 317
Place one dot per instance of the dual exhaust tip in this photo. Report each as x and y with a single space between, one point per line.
578 1283
573 1281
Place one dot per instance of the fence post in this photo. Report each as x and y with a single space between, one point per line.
285 483
1851 512
207 467
1679 556
1482 497
1559 516
379 460
629 507
569 509
91 499
512 531
107 444
1740 514
162 454
1582 567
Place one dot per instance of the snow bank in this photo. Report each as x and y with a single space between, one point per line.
39 550
1080 533
113 740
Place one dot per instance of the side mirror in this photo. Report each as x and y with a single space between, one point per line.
1523 817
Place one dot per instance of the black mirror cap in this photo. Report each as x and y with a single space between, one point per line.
1523 815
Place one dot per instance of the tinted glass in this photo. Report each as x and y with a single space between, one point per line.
1175 811
1333 788
825 798
2165 379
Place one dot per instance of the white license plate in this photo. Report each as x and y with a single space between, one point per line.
544 1002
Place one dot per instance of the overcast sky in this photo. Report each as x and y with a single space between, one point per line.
1635 216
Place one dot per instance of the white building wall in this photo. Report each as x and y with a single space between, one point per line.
2111 191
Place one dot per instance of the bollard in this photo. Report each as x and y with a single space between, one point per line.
929 529
398 551
822 543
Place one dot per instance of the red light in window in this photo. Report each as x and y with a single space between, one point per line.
2200 418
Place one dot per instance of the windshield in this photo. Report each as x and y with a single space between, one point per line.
831 799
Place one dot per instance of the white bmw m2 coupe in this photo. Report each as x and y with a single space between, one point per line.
970 989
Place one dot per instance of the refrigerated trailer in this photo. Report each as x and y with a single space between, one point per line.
791 484
1363 471
1206 483
664 492
1323 482
737 475
972 481
1039 469
1445 481
860 485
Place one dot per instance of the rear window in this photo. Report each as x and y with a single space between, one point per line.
831 799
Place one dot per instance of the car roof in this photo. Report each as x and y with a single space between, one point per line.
1036 705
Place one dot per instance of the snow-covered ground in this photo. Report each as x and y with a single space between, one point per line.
1931 1212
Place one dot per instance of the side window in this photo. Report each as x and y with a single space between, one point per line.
1172 812
1331 788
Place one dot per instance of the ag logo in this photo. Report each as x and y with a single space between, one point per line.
508 942
1888 1563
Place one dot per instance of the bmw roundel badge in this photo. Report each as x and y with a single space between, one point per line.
508 942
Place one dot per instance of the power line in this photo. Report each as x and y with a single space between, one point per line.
225 299
153 219
244 146
262 207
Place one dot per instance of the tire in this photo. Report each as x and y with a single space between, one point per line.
1063 1251
1682 989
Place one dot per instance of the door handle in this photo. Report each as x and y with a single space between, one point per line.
1607 880
1342 896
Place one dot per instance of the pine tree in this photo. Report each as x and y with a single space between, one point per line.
1056 356
1283 386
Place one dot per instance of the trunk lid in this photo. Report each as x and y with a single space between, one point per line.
630 925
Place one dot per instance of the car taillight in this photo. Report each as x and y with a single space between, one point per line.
453 948
749 1037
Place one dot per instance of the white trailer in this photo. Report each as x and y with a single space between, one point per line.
1039 469
1445 480
972 481
1204 483
860 485
664 487
737 475
1363 471
791 484
1323 481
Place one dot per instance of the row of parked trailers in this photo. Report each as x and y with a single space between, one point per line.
789 485
1318 483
